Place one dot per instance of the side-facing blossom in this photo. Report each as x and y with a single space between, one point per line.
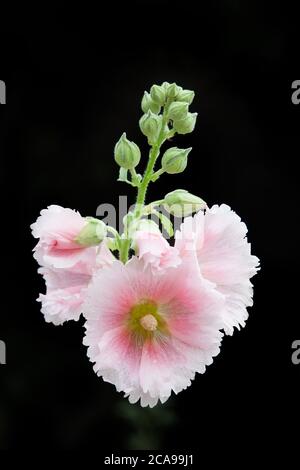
67 267
66 288
148 332
224 255
57 229
65 293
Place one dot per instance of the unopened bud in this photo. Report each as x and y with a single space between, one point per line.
150 125
174 160
186 125
178 110
127 154
186 95
148 103
165 86
181 203
173 91
158 94
92 233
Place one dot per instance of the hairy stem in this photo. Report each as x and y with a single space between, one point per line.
142 190
154 153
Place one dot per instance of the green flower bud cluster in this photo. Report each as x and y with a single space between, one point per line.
165 112
176 101
164 106
183 121
160 94
127 153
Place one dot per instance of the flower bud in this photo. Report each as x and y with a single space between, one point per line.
150 125
127 154
148 103
178 110
92 233
186 95
165 86
174 160
158 94
173 90
181 203
186 125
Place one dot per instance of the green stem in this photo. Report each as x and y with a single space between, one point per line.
134 178
142 190
113 231
147 209
124 249
157 174
154 153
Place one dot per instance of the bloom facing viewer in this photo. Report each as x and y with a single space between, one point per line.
157 329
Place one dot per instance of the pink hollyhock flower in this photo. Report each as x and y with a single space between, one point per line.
155 251
104 255
57 229
67 266
224 256
149 334
66 288
65 294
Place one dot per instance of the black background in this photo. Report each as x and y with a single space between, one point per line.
75 78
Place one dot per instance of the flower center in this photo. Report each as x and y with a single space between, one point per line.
145 320
149 322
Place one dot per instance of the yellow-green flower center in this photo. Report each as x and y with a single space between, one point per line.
145 320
